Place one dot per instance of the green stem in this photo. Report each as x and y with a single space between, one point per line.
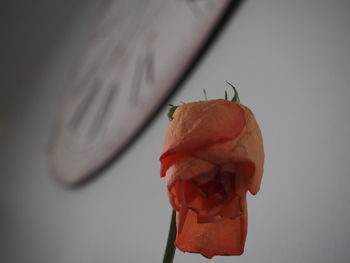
170 248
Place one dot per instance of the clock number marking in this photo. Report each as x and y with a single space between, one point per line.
84 78
144 73
79 114
103 110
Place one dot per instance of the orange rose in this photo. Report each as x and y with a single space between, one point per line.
213 154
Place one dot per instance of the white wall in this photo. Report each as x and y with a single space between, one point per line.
290 61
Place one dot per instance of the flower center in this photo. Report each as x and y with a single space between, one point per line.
217 185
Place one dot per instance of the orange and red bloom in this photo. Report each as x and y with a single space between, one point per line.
212 155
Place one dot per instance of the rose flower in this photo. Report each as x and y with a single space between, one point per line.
212 155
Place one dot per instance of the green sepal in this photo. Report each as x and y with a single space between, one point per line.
171 111
205 94
235 97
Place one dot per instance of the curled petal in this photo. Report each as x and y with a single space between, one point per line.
211 239
199 124
187 168
246 151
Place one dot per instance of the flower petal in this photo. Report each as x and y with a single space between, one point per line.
199 124
185 169
246 151
211 239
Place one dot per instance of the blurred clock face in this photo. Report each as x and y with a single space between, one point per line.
136 52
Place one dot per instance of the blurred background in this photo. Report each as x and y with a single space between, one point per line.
291 63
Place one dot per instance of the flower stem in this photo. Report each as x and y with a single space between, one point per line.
170 248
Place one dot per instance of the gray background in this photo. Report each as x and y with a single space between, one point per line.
290 61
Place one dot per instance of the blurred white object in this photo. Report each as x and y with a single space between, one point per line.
135 55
